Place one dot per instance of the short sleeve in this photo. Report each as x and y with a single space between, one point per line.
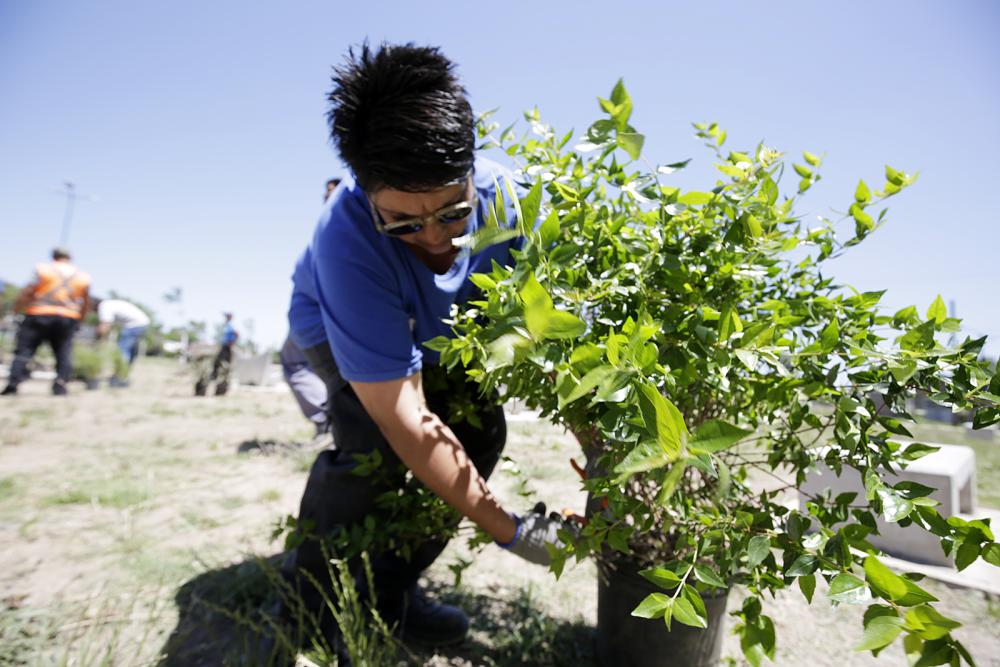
368 322
367 325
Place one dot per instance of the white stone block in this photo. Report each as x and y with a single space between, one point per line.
951 471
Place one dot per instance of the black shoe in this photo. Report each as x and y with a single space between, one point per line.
9 390
59 389
424 621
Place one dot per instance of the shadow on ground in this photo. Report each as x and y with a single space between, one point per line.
220 621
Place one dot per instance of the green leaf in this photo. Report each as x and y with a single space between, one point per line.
662 577
919 338
938 311
716 435
534 295
663 421
757 640
918 450
757 550
902 370
695 198
554 324
631 142
486 237
966 554
670 482
807 585
812 159
482 281
769 189
915 595
928 623
622 104
848 589
830 336
906 315
652 606
440 343
502 351
644 456
618 94
708 576
550 229
893 176
880 632
803 565
685 613
862 194
585 356
802 170
937 652
588 383
884 582
894 506
991 554
531 204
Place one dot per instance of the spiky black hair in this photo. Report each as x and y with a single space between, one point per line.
400 118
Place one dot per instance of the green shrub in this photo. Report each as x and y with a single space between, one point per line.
694 340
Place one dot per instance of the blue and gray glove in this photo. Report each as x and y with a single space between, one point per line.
534 531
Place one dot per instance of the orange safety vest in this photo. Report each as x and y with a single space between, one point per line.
60 290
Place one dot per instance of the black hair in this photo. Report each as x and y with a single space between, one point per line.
400 118
60 253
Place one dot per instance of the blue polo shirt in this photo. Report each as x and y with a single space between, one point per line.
305 323
377 302
228 334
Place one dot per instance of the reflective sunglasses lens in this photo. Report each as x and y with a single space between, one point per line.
455 215
403 230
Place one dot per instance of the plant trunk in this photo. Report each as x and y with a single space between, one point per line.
624 640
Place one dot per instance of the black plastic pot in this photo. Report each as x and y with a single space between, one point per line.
624 640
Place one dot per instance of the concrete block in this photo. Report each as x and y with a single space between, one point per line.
951 471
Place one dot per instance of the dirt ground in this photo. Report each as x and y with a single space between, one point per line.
119 507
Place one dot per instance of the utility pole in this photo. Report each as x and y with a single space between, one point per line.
69 190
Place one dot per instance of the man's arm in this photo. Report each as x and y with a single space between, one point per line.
431 451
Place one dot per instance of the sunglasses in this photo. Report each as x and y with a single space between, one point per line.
449 215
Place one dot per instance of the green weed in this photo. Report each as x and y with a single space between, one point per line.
269 496
115 492
231 502
9 488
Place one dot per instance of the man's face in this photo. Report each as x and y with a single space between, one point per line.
330 187
435 239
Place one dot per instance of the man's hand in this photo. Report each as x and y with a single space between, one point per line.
534 531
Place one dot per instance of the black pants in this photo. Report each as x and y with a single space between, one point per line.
35 330
222 361
334 498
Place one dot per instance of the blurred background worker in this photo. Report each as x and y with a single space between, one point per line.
309 389
131 322
53 303
224 357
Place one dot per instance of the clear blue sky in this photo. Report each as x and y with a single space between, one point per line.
200 125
